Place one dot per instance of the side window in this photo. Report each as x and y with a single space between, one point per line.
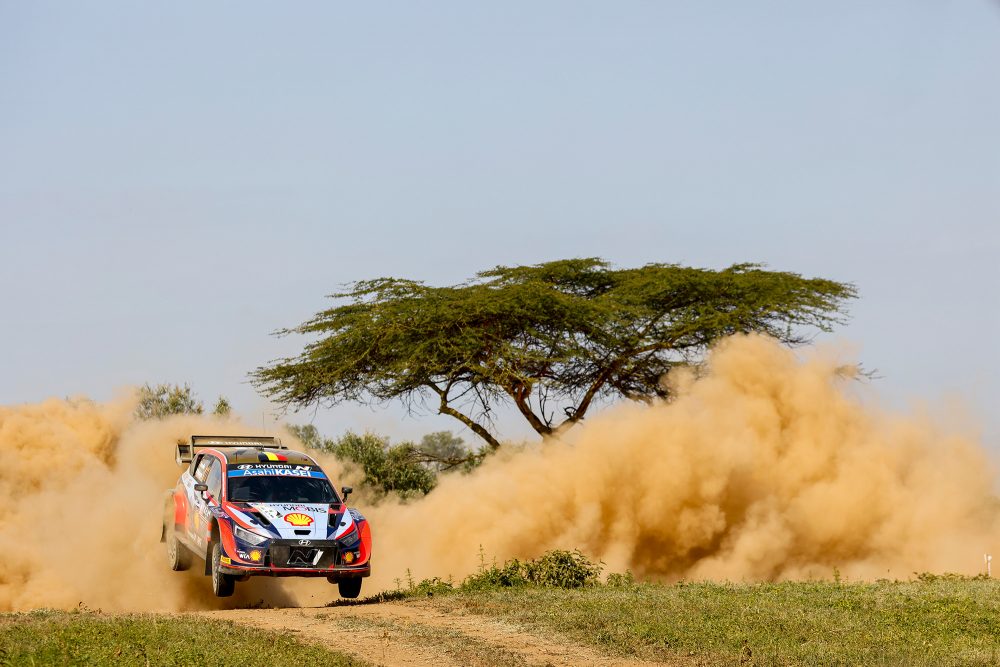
215 479
201 472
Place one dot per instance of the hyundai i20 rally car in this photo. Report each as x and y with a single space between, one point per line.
249 506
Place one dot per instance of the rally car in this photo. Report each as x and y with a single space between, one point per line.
249 506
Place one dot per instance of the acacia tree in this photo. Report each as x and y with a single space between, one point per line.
550 339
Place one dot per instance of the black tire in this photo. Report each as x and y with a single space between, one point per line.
177 554
349 588
223 585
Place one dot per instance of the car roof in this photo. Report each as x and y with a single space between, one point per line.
237 455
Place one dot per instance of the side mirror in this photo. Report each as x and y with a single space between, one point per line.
346 491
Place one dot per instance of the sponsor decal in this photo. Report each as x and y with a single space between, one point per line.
268 512
225 560
349 557
256 556
276 472
248 466
300 508
304 556
298 519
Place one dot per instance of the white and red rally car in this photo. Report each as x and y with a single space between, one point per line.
251 507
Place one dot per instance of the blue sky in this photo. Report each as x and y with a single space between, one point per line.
178 180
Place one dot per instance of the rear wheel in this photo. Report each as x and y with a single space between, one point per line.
350 588
223 585
177 554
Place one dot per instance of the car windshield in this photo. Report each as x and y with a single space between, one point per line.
279 489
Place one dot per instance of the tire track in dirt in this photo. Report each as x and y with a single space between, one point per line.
415 633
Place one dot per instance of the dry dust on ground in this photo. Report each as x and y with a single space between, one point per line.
413 633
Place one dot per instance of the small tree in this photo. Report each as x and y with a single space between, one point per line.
310 437
163 400
387 468
222 407
550 339
443 451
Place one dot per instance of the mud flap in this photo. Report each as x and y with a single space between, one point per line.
168 506
208 560
208 548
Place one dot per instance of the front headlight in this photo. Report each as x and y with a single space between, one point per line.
247 536
349 540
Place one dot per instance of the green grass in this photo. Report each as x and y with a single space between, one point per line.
71 638
933 621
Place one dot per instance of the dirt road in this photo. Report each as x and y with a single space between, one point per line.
417 633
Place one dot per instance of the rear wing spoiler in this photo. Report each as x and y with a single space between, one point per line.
186 450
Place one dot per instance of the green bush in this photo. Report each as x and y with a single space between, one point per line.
511 573
563 569
621 580
406 468
387 468
556 569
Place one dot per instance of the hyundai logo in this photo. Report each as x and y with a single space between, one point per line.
305 543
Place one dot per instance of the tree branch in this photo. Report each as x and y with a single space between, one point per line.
520 393
475 427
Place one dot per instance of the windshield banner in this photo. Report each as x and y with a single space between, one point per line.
274 470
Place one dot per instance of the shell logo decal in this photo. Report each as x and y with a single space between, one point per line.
299 519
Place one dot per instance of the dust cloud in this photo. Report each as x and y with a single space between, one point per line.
82 490
767 467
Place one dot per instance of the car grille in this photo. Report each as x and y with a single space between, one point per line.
315 554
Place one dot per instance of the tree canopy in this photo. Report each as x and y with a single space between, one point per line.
549 339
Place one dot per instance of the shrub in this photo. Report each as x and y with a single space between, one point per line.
621 580
387 468
510 574
563 569
557 569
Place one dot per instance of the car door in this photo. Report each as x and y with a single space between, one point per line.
196 525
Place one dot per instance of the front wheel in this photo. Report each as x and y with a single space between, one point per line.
177 554
349 588
223 585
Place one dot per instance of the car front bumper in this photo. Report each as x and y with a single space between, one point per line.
292 558
334 573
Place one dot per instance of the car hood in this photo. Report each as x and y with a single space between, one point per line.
303 520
